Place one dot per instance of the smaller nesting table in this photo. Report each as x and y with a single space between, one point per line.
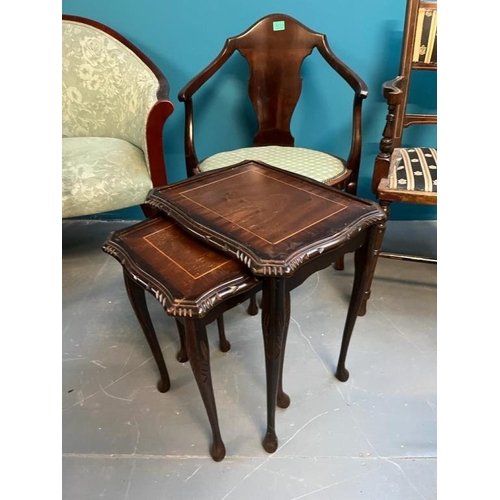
194 283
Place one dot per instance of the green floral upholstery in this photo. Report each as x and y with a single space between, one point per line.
107 94
319 166
101 174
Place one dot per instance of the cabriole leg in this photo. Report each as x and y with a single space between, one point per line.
137 299
199 358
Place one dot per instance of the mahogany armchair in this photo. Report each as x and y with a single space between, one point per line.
275 48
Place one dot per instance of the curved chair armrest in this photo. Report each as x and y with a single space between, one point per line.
197 81
392 90
352 78
185 95
354 159
154 140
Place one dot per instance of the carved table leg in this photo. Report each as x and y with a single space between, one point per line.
137 299
364 261
199 358
224 345
376 250
181 356
283 399
339 264
253 308
275 318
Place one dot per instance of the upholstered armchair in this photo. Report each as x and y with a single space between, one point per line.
115 102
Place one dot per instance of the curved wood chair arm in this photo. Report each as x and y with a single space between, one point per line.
356 82
185 95
154 140
197 81
392 90
354 158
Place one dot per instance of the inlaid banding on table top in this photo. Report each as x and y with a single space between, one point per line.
192 254
258 207
155 254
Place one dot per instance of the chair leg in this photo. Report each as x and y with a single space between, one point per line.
199 358
137 299
376 251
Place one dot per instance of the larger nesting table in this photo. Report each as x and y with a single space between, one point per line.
283 227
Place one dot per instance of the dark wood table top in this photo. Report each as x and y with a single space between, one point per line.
188 277
270 219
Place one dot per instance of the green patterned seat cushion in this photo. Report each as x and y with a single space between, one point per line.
314 164
100 174
414 169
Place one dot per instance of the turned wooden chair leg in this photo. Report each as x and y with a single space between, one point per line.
199 358
137 299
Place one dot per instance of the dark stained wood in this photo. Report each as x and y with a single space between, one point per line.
194 283
271 220
275 58
396 92
159 112
187 277
283 227
137 299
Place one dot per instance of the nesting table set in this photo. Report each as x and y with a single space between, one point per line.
218 239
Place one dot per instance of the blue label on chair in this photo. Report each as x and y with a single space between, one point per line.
278 25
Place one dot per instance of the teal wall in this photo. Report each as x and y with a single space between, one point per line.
183 37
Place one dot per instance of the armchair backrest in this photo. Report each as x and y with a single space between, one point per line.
275 48
107 89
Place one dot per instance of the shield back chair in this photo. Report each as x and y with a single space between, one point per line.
408 173
115 102
275 48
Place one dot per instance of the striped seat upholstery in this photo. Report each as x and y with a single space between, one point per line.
414 169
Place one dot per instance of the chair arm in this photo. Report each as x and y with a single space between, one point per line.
354 159
185 95
154 140
355 81
197 81
392 90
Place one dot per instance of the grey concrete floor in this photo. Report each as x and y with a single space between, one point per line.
373 437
